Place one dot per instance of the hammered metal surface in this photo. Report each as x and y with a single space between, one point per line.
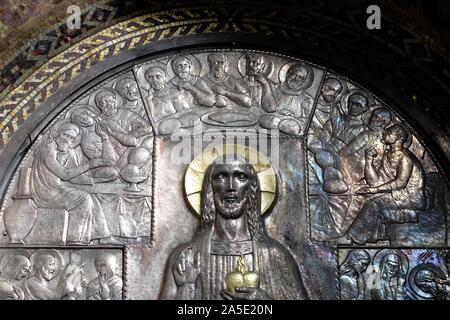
344 202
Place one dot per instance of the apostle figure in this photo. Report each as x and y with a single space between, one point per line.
328 104
352 155
294 104
257 84
47 266
292 99
57 161
389 282
108 285
162 100
128 90
345 127
228 90
398 183
194 91
95 143
14 267
351 279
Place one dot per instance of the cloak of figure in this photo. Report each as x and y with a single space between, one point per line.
351 280
13 268
390 280
108 285
55 162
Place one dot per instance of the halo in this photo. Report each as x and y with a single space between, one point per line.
140 74
412 277
367 95
341 81
22 252
207 70
193 179
15 252
55 128
55 254
126 76
91 108
267 70
54 131
382 253
196 66
117 94
366 116
309 78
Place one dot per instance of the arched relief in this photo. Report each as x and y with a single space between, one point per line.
350 175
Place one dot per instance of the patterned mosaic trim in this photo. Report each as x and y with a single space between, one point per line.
51 76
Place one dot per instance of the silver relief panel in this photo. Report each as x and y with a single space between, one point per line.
393 274
370 179
346 183
61 274
87 178
229 90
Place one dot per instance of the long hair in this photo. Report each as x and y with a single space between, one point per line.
403 269
352 258
252 210
11 264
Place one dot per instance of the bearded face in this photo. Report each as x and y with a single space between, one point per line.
65 140
183 69
231 185
218 68
392 265
295 78
425 281
48 269
108 105
255 65
23 270
330 90
129 90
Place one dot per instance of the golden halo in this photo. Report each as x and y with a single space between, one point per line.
193 179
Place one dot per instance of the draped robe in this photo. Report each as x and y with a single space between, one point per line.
278 271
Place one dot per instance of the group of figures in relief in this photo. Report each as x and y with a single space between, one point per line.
394 274
188 97
93 167
44 275
366 176
89 165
